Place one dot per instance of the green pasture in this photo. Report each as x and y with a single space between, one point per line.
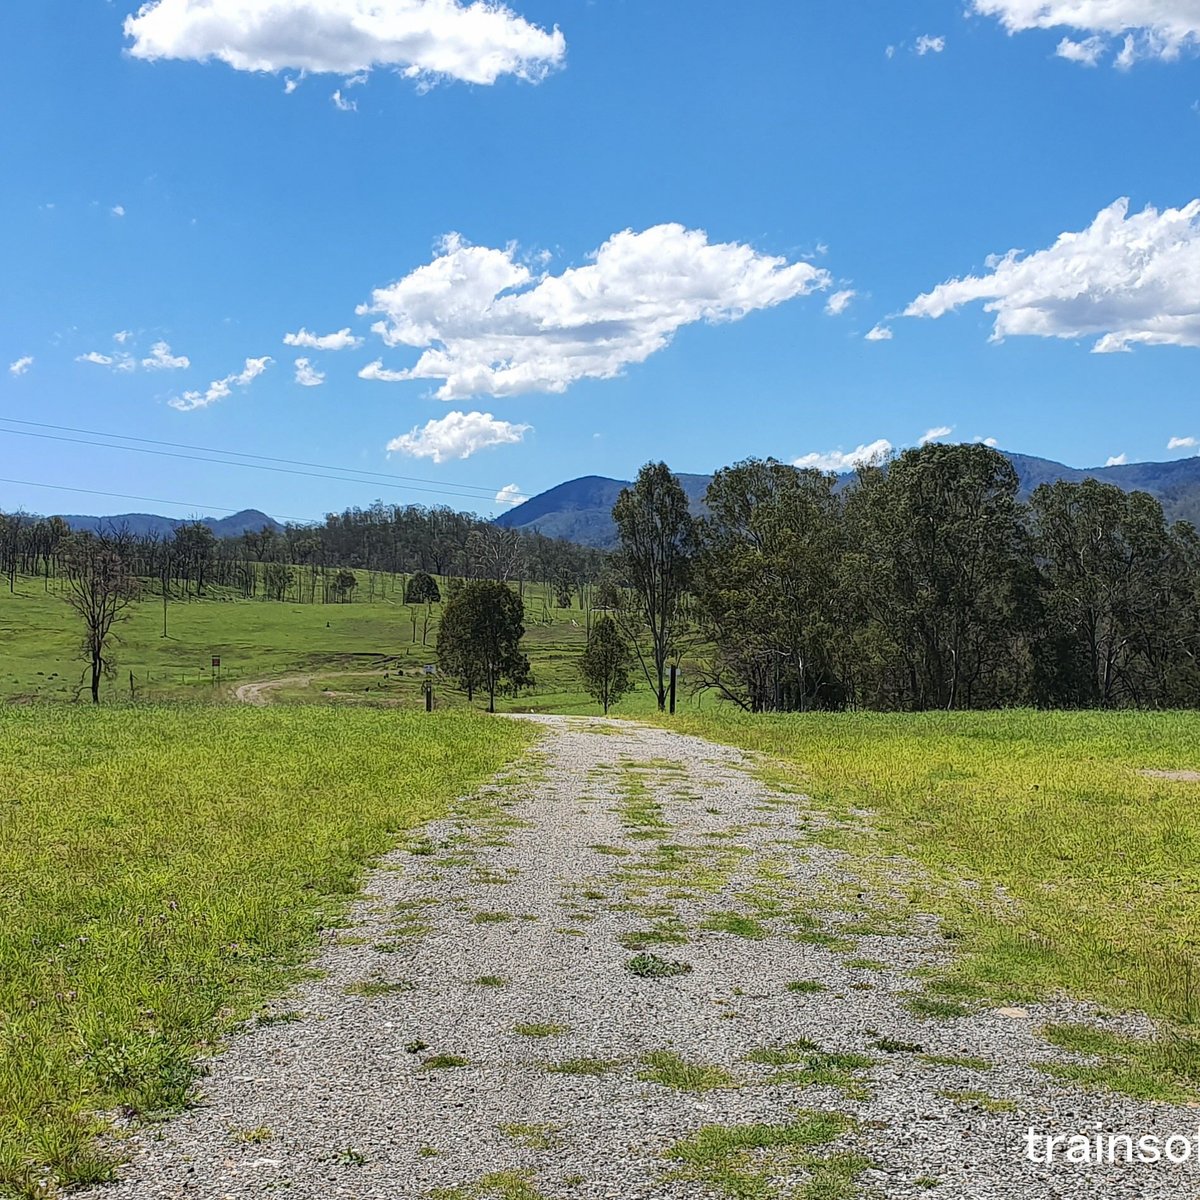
164 870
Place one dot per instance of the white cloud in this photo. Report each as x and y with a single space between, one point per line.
290 85
487 325
1183 443
118 210
987 441
21 365
927 44
1087 52
839 302
340 102
1144 28
890 52
122 336
457 435
881 333
1125 279
510 496
219 389
935 435
841 461
342 340
307 375
425 39
161 359
1117 460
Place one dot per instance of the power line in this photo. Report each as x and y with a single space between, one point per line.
379 482
58 487
291 462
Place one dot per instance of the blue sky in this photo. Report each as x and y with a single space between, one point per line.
587 234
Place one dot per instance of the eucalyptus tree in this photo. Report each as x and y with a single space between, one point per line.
657 538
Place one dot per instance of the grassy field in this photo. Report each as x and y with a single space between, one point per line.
1056 861
260 639
164 870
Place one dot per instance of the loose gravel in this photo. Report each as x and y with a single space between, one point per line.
476 1030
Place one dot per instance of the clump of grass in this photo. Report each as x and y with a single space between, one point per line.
442 1062
135 935
532 1137
377 987
891 1045
252 1137
866 964
496 981
736 923
957 1060
491 918
502 1185
583 1066
670 1070
981 1100
650 966
806 987
779 1056
541 1029
1166 1068
932 1006
743 1161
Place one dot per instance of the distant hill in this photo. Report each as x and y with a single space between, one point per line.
141 524
581 509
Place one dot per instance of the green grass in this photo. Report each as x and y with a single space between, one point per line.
668 1069
541 1029
650 966
737 924
584 1066
806 987
165 871
745 1162
1165 1068
357 653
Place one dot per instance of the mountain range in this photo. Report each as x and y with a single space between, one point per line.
581 509
142 524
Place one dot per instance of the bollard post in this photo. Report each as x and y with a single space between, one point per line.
673 670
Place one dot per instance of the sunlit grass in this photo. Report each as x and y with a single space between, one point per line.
164 871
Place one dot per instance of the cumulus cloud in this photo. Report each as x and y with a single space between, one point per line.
21 365
935 434
457 435
118 362
122 336
487 325
841 461
307 375
1117 460
342 340
219 389
161 359
1141 28
987 441
510 495
118 210
881 333
926 44
1124 280
340 102
424 39
1183 443
839 302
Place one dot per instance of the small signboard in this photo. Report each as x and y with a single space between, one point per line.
430 668
216 662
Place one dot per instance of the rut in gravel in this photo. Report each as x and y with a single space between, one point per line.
477 1029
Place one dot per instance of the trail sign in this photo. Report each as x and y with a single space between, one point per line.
216 662
430 668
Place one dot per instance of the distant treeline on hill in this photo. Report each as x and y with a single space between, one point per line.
308 563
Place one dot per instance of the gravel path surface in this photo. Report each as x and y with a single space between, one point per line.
476 1031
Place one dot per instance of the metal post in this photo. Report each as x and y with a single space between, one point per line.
428 696
673 670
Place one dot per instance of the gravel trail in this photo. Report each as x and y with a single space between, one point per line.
500 940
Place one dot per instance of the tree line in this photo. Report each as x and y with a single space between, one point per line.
923 582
